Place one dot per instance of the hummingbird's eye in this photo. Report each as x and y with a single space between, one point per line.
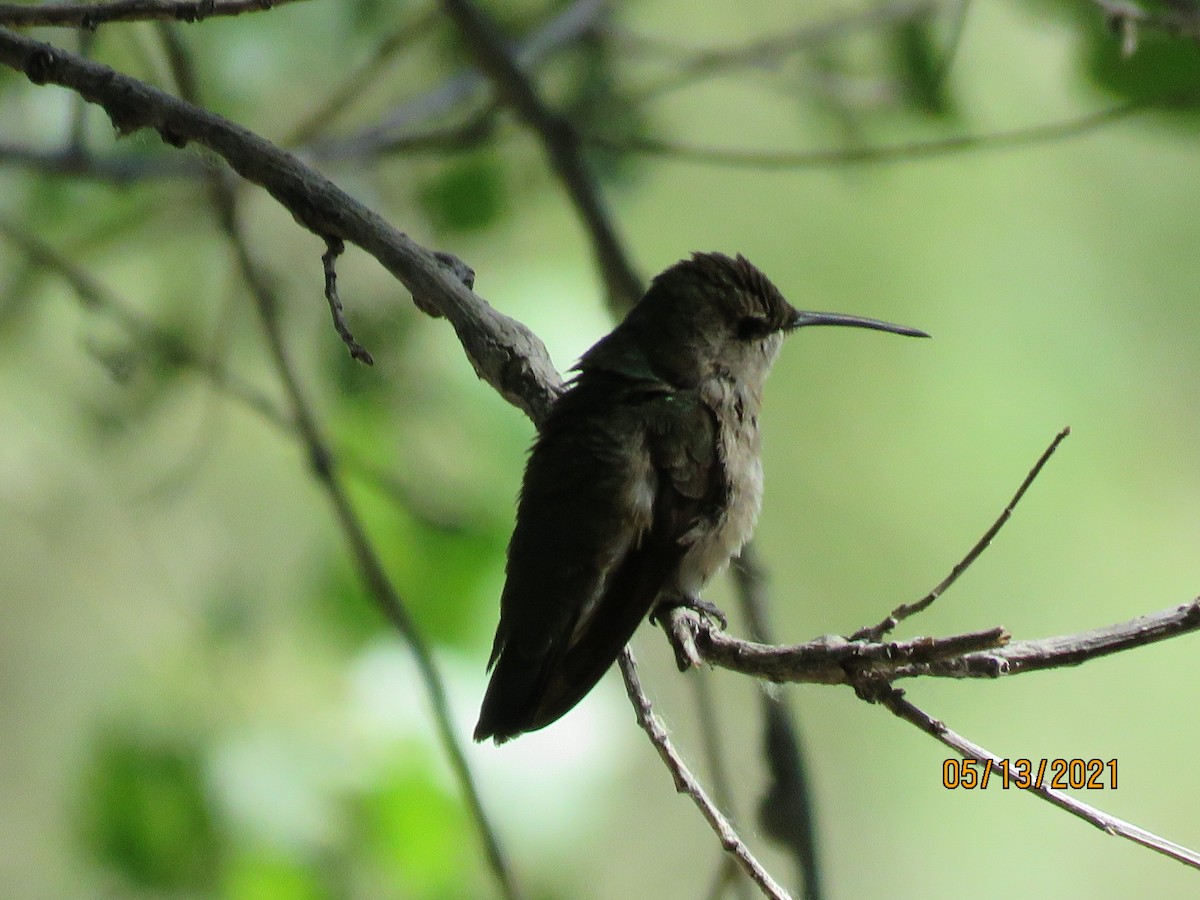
752 328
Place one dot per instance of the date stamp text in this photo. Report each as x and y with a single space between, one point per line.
1023 774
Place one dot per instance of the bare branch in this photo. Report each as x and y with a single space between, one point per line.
561 142
89 15
765 52
978 654
1180 19
894 700
115 168
786 808
831 659
1066 650
905 610
395 132
359 78
876 154
370 567
503 351
686 783
334 247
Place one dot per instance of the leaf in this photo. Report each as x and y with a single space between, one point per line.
468 195
1163 71
146 813
919 67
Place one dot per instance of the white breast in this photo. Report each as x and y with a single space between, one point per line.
738 455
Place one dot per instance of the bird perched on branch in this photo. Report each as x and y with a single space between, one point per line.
645 479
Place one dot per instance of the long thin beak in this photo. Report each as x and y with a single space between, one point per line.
804 319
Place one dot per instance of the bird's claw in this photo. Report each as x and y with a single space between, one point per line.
710 611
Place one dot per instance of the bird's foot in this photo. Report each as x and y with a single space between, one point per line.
710 611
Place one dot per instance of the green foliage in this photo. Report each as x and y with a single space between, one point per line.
368 16
260 873
146 813
467 195
1163 70
920 67
439 571
596 101
410 832
148 818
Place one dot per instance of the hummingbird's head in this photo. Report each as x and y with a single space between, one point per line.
713 314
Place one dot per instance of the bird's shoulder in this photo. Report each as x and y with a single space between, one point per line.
675 429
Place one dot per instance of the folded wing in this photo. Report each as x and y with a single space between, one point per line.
611 494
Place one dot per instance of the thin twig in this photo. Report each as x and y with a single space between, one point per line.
1063 651
109 168
894 700
763 52
786 809
375 577
503 351
334 247
360 78
905 610
561 142
325 469
460 90
89 15
686 783
987 654
876 154
1180 19
714 756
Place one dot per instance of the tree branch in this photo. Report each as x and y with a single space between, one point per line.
906 610
503 351
769 51
686 783
89 15
561 142
375 577
1181 19
894 700
515 362
768 160
978 654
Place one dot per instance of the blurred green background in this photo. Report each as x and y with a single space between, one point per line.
198 699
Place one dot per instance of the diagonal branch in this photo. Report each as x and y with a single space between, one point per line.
89 15
503 351
770 160
980 654
905 610
894 700
371 570
514 361
786 808
561 142
686 783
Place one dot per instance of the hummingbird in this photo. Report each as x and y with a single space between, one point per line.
645 479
